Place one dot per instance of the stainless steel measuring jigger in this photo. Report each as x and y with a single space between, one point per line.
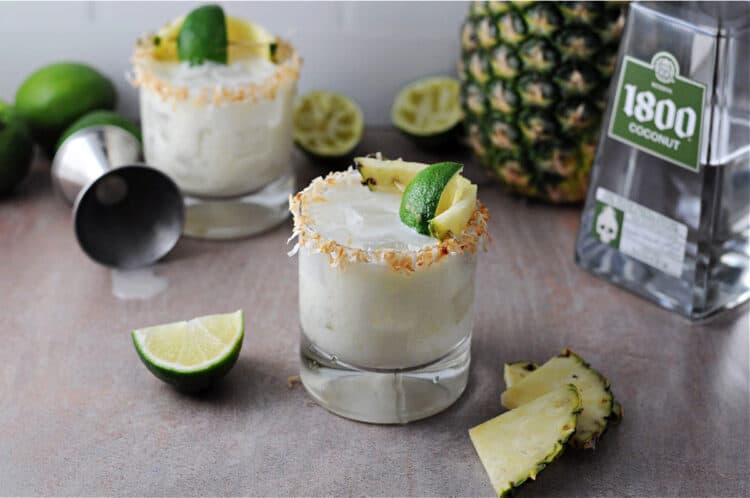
125 213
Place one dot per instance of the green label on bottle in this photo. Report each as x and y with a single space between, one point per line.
658 111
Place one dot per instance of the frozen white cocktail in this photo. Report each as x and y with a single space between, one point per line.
220 126
386 311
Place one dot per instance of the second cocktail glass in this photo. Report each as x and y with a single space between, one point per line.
223 132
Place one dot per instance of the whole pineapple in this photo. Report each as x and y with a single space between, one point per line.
534 82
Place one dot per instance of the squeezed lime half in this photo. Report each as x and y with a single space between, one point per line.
327 124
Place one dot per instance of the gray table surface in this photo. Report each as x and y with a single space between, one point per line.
80 415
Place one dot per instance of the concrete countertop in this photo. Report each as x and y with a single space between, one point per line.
80 415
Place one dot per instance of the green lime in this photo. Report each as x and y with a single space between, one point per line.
203 36
100 118
16 149
53 97
192 355
5 108
429 111
422 196
327 126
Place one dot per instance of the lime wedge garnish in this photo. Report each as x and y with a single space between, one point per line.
421 198
203 36
327 124
244 40
5 109
429 111
192 355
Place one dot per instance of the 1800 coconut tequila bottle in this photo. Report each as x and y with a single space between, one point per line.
668 211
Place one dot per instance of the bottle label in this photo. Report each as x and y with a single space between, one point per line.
639 232
658 111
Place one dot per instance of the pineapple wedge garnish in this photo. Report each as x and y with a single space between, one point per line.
387 175
457 201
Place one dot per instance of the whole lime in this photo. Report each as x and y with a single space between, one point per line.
101 118
16 149
53 97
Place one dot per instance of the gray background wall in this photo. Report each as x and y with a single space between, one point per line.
366 50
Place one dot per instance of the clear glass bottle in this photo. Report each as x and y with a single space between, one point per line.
668 211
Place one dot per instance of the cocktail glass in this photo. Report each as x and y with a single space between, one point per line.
386 317
224 133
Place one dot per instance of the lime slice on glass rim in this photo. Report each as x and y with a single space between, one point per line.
436 199
422 196
393 175
192 355
327 125
244 40
203 36
429 111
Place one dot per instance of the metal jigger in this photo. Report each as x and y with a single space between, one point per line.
125 214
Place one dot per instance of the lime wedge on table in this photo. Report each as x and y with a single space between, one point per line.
421 198
192 355
203 36
327 124
429 111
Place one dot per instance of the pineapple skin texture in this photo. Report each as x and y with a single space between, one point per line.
534 79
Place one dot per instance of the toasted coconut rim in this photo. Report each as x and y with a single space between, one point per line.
287 69
474 236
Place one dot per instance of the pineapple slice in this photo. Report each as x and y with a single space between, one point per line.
453 193
568 368
383 175
518 444
453 220
514 372
457 201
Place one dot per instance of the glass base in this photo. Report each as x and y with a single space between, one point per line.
241 216
384 396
